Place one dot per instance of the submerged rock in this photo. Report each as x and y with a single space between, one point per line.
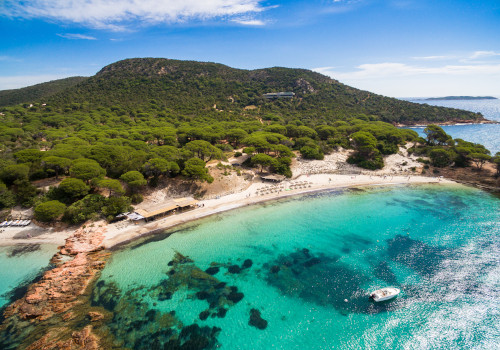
275 269
419 256
320 279
235 297
204 315
234 269
95 316
312 262
194 337
212 270
256 320
21 249
221 313
247 264
220 285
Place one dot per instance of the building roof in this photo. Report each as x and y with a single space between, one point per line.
273 177
167 206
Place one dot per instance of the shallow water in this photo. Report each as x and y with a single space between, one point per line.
307 265
21 264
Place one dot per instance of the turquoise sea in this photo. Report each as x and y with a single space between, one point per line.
485 134
20 265
295 274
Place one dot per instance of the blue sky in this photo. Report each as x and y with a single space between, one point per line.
400 48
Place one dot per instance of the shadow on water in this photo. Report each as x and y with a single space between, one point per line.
323 280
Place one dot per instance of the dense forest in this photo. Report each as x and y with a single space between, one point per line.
141 120
37 92
189 88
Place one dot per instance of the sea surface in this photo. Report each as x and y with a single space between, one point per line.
296 273
19 266
485 134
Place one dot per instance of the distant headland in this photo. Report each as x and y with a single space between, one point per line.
461 98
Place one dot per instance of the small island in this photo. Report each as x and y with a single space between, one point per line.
453 98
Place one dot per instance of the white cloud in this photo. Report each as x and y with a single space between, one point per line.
249 22
77 36
483 54
403 80
19 81
115 14
389 69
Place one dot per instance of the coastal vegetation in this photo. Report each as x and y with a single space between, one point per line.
444 151
142 121
153 87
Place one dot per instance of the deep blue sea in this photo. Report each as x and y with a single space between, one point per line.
485 134
296 273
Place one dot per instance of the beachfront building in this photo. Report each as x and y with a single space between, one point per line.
273 178
274 95
165 208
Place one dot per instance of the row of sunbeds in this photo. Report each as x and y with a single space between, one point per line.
15 223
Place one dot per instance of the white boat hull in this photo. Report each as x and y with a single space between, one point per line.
384 294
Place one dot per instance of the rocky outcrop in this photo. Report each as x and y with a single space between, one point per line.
82 340
59 292
304 85
59 289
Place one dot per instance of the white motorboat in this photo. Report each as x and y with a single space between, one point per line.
384 294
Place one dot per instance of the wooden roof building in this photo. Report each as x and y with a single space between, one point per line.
273 178
166 207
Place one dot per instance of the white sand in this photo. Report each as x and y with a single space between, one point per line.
32 234
258 192
309 175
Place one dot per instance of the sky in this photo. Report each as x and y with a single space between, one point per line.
398 48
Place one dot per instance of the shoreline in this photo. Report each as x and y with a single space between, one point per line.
124 232
116 237
398 125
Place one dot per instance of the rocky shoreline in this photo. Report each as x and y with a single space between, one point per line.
35 321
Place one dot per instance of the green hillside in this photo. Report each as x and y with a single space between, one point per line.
37 92
189 87
140 122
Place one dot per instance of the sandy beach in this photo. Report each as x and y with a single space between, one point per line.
121 232
257 192
234 192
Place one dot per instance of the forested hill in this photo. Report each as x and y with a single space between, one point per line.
142 122
189 88
38 91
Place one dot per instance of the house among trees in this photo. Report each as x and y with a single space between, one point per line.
273 95
166 208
